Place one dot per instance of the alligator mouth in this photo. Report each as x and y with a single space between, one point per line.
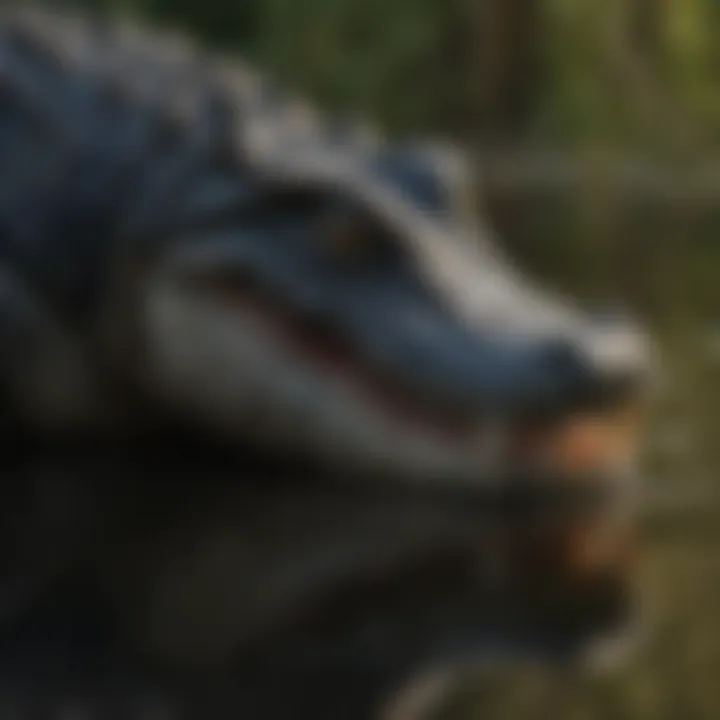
569 442
324 347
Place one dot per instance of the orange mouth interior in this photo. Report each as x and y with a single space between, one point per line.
576 447
585 443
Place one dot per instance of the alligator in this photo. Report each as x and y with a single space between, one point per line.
392 438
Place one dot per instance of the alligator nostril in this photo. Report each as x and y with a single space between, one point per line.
586 381
612 389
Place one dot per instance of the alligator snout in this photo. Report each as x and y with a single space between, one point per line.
605 366
482 370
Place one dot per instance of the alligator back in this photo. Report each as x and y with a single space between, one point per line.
111 140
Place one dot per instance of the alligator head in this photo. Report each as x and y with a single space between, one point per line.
332 307
349 313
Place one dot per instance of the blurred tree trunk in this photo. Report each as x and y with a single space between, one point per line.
640 42
492 67
646 29
637 57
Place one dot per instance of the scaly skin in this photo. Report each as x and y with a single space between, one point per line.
181 244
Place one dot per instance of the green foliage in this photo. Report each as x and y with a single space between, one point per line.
388 57
398 60
353 55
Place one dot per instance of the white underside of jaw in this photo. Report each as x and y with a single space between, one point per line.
232 369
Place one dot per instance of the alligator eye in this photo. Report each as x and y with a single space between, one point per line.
341 237
354 240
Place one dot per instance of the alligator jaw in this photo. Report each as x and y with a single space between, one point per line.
256 382
266 394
